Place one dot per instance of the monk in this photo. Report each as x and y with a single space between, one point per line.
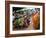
36 20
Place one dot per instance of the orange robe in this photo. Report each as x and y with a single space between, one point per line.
36 20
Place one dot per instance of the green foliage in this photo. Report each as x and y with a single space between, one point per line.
19 22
